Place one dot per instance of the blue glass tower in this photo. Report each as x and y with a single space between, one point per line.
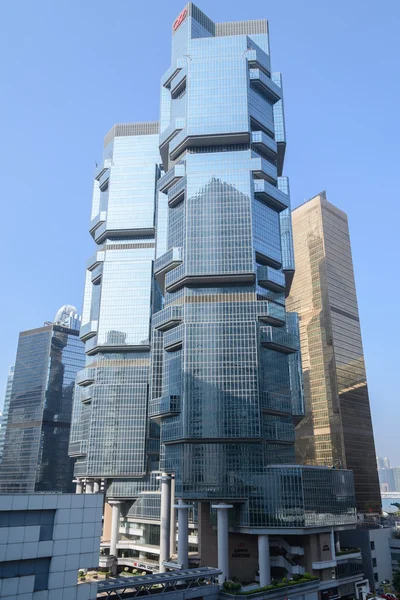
193 364
226 384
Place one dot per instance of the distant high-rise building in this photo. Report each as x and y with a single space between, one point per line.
396 478
337 429
383 463
4 416
35 454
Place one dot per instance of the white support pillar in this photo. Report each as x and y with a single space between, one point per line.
116 511
333 553
183 533
172 537
264 563
89 486
223 540
165 519
79 486
337 541
96 488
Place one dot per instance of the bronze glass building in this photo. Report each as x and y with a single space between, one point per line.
337 429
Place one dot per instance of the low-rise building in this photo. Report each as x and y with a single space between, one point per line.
44 540
374 542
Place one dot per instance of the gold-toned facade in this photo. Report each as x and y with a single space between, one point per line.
337 428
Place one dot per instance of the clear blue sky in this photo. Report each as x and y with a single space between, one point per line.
70 70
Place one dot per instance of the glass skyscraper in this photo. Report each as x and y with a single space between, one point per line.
35 453
337 429
6 406
193 364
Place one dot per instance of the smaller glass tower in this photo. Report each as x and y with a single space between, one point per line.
35 452
6 406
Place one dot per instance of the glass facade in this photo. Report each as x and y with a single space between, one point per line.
6 406
111 435
337 429
35 456
193 365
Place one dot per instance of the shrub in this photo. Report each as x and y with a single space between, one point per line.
284 580
232 586
81 573
126 569
307 576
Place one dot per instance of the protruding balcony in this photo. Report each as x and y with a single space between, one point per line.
171 177
177 278
173 339
100 233
103 166
93 346
88 330
258 58
167 318
265 85
97 221
97 274
178 83
85 377
172 71
279 339
86 394
176 193
104 179
95 260
173 278
281 433
277 404
184 139
269 312
173 128
166 406
271 279
77 449
178 144
262 169
270 195
168 261
263 141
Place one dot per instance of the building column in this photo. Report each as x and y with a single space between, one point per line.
89 486
165 519
264 563
172 537
337 541
183 533
333 553
223 540
79 486
96 487
116 512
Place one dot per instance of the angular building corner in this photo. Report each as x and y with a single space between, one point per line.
193 384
